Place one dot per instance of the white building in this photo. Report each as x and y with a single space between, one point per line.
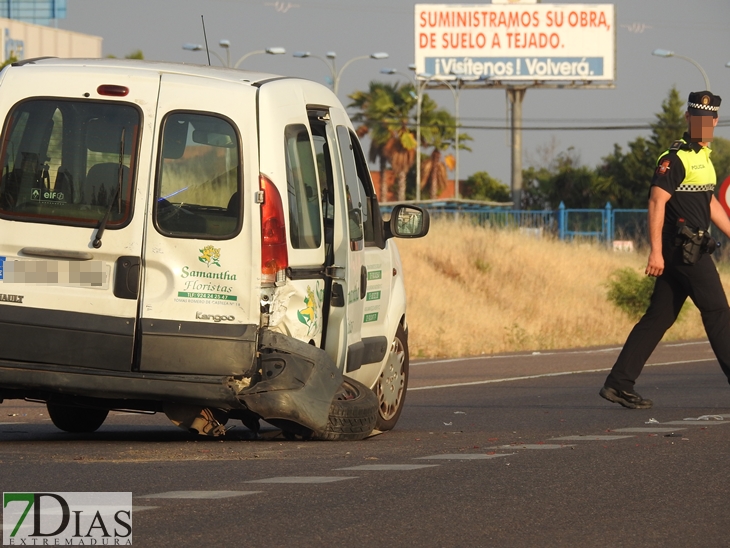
26 41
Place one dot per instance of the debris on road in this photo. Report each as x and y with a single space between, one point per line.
706 418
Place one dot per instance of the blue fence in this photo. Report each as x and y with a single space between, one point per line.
603 225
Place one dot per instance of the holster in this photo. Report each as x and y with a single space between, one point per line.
693 243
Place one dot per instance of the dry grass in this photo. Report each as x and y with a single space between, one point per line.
475 291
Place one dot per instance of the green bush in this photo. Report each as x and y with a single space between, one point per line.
482 186
630 291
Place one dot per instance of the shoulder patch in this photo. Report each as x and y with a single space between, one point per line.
663 167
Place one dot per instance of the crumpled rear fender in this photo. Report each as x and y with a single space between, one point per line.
297 382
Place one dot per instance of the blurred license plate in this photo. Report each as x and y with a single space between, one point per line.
93 274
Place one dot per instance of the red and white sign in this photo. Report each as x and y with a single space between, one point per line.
539 42
723 196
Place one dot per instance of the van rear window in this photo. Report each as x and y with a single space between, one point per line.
68 162
198 177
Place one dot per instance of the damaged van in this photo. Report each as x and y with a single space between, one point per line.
198 241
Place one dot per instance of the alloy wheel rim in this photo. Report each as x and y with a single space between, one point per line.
392 381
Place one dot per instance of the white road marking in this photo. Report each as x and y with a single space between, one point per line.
302 479
539 354
647 429
142 508
198 494
7 423
530 355
388 467
464 456
591 438
560 374
533 446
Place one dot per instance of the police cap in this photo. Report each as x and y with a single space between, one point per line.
703 103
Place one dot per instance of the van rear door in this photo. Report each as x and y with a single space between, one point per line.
200 306
71 158
289 161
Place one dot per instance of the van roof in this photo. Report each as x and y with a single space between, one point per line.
132 65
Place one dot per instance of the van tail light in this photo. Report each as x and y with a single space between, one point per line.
274 256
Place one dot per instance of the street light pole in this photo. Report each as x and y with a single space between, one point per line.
334 73
455 92
668 53
396 71
198 47
226 44
270 51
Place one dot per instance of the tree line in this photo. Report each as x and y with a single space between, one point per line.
386 112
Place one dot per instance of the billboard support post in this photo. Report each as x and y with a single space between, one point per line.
515 96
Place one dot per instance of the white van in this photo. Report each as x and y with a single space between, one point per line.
199 241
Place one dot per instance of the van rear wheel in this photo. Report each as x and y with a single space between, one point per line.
353 413
76 420
393 381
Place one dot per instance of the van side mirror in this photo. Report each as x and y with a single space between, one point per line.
407 221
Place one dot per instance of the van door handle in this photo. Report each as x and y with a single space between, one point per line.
363 281
126 277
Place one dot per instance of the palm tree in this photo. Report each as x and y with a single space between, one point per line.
372 106
438 130
388 109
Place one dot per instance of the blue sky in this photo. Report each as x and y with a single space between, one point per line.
699 29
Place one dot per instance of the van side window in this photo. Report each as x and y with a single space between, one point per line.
68 162
355 200
367 192
198 177
305 218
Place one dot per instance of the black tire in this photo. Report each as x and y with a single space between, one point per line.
353 413
76 420
391 386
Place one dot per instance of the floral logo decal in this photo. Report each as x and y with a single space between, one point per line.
210 255
309 315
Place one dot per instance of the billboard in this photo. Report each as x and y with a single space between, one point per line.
517 42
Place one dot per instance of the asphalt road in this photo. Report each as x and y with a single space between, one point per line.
506 451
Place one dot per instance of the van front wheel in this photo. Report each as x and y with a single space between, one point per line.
353 413
393 381
76 420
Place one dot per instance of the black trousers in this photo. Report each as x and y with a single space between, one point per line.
701 283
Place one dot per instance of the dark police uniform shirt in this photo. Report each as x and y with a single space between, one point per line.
688 175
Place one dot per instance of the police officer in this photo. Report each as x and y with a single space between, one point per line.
681 206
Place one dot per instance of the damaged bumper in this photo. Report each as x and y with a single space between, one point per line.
296 382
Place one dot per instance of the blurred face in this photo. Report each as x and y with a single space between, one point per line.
701 128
